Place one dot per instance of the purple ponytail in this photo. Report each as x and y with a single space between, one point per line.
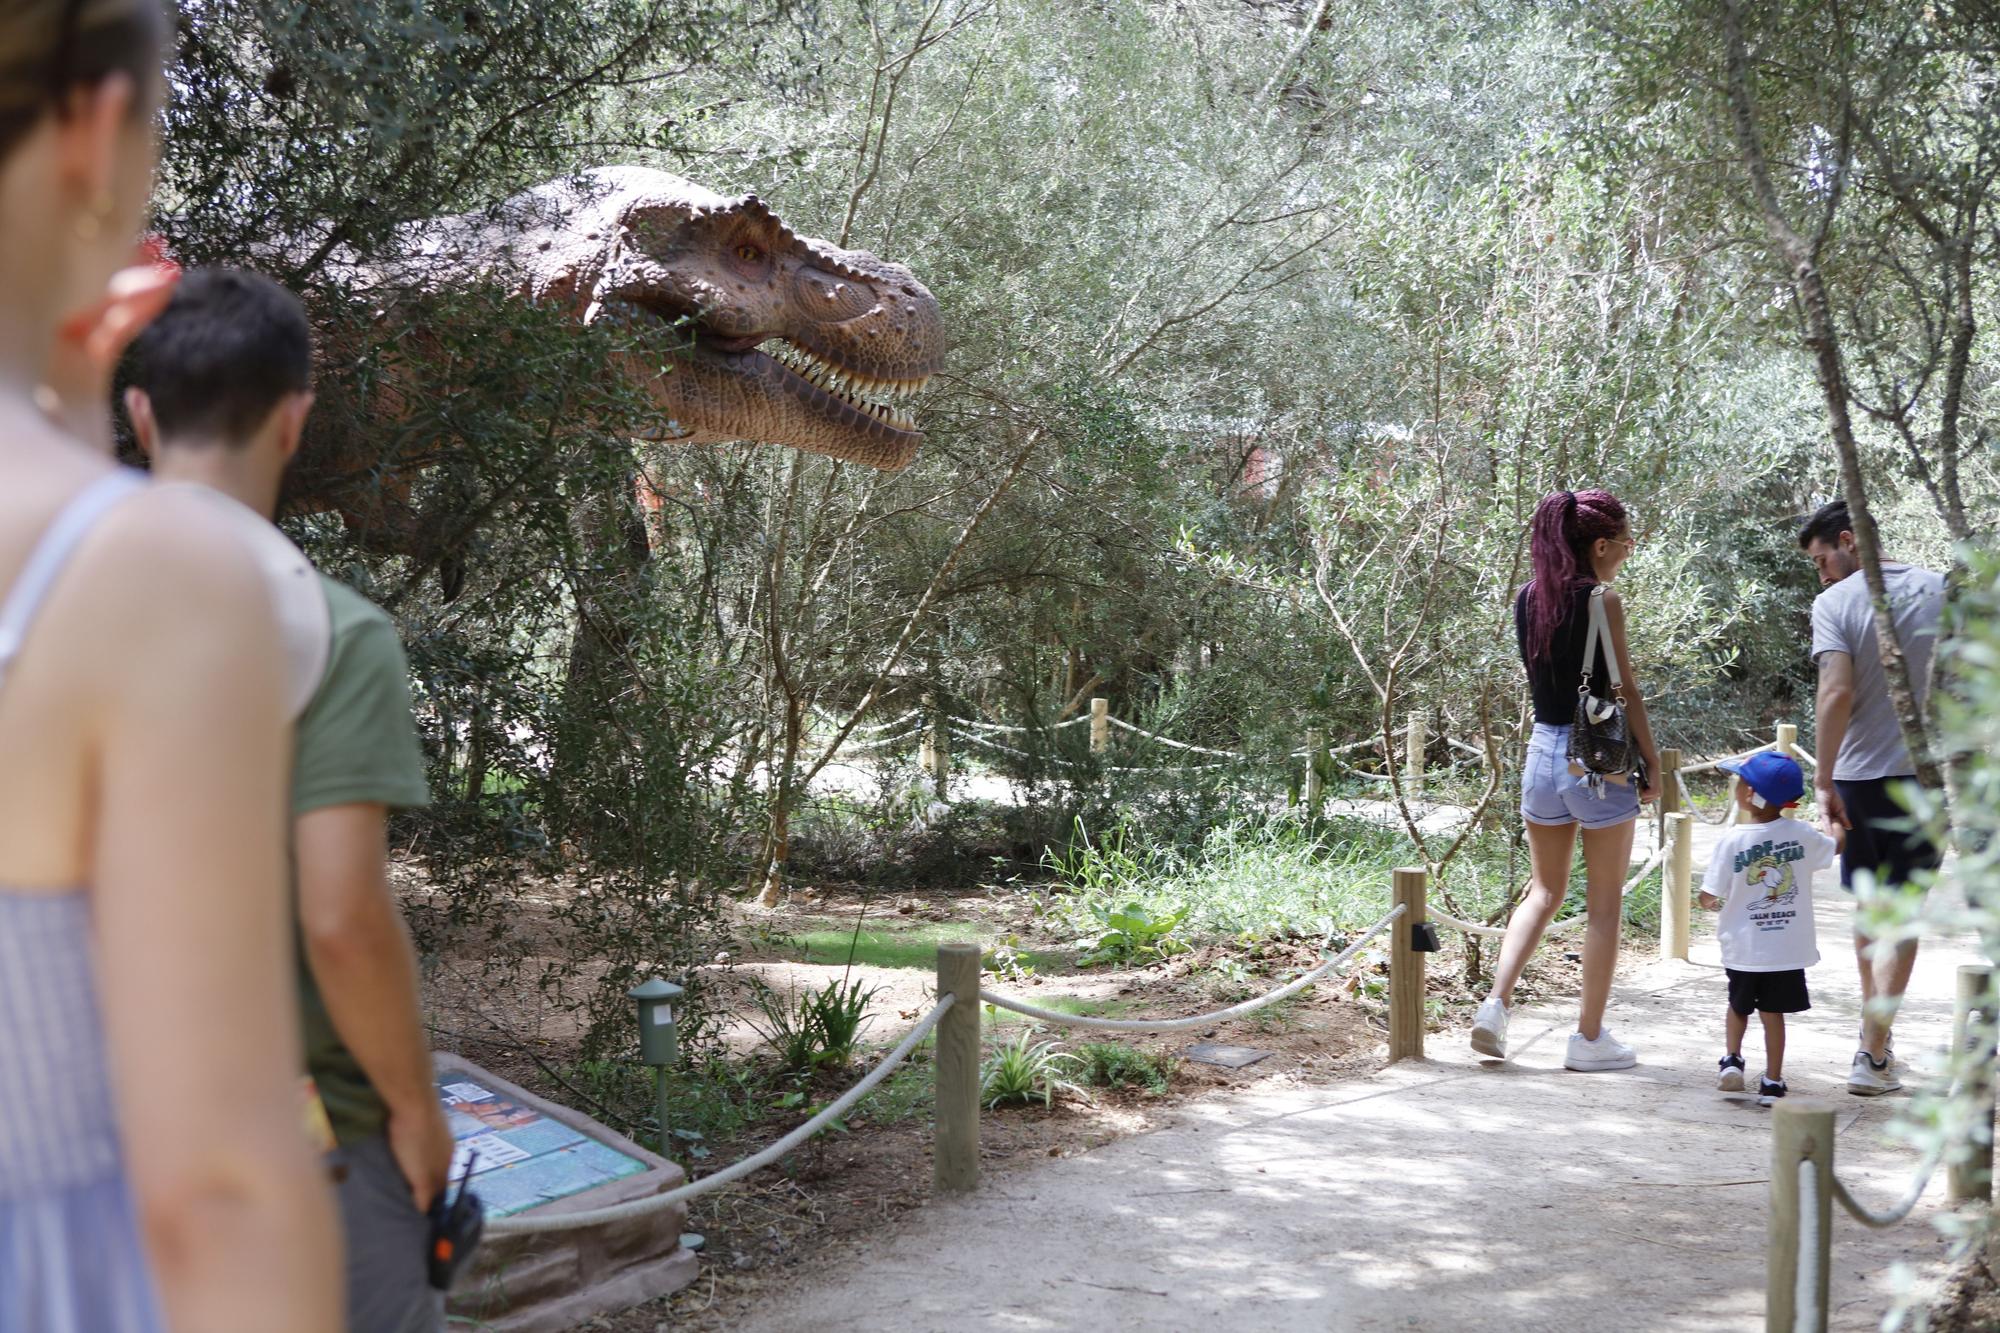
1560 535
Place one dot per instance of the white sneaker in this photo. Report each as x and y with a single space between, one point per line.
1868 1079
1489 1029
1607 1052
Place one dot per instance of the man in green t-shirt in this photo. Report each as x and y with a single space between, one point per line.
221 384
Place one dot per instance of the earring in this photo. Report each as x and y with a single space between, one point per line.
90 223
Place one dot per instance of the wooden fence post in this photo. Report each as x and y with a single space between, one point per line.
1315 784
1670 789
1972 1026
1788 739
1800 1132
1100 725
935 754
1416 740
1677 887
955 1152
1406 968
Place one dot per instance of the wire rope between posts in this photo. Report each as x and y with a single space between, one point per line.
654 1203
1688 805
1806 1277
1059 762
1285 991
1896 1212
1154 736
890 725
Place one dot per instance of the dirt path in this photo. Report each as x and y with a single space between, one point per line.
1444 1194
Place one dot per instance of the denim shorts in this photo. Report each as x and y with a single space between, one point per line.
1551 794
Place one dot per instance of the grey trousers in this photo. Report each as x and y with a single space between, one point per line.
388 1290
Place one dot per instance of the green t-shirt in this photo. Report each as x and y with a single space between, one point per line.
356 744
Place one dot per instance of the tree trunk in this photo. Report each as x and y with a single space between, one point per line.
1822 339
611 536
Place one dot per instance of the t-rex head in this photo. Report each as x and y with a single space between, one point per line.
762 334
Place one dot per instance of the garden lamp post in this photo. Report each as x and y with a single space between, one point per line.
659 1043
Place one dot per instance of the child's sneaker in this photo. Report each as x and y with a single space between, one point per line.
1769 1089
1869 1077
1489 1029
1729 1073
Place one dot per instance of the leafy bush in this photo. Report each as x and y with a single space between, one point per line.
1017 1074
1135 934
1107 1064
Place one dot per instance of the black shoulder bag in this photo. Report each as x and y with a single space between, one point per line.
1600 739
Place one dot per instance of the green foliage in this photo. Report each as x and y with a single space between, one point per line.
1133 934
1024 1071
815 1030
1251 878
1108 1064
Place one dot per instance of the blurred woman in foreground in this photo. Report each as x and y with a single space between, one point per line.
152 1170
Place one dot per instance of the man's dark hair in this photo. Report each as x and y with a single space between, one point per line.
228 346
1826 525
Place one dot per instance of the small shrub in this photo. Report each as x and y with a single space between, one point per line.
1106 1064
1134 933
816 1030
838 1009
1017 1074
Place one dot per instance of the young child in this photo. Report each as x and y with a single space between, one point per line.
1760 878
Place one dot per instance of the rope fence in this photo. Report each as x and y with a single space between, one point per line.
658 1203
1804 1185
1251 1006
955 1018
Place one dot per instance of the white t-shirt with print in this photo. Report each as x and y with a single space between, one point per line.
1763 875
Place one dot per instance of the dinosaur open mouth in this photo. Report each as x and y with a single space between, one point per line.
869 395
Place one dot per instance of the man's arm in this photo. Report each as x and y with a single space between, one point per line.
1831 714
361 957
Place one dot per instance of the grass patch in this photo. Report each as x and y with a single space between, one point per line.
1252 878
885 945
1063 1004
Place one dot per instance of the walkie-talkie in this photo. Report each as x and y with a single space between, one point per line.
455 1229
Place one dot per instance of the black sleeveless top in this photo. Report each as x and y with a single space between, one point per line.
1552 682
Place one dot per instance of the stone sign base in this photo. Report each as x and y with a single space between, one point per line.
552 1281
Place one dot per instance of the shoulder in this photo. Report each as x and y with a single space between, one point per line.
162 551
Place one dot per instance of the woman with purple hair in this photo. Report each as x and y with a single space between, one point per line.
1578 541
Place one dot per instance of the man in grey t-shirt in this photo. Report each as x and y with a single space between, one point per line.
1862 760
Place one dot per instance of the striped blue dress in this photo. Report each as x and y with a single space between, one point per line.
70 1256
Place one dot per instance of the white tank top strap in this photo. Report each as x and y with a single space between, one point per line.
72 523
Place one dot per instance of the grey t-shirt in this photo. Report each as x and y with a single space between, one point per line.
1844 622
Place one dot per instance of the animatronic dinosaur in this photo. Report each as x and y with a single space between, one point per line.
764 335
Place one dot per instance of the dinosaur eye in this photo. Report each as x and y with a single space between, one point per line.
749 253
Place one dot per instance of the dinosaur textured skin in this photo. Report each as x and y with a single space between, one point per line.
734 327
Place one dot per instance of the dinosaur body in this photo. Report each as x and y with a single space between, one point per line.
737 327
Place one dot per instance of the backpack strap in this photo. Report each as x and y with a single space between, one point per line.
45 564
1600 636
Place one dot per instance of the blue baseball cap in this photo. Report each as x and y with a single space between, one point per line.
1773 776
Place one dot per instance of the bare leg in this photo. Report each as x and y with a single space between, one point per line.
1607 859
1738 1024
1888 979
1550 847
1774 1045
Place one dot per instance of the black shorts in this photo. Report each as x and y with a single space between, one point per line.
1768 992
1877 836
